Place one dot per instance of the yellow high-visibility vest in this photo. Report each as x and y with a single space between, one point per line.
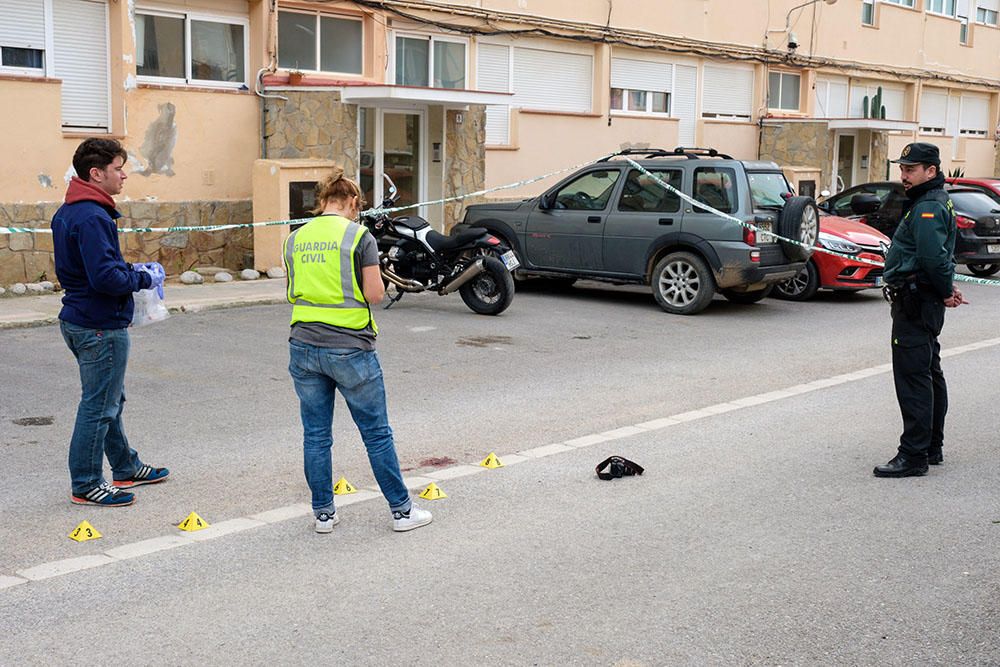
323 283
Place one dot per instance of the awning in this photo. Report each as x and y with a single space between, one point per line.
385 94
877 124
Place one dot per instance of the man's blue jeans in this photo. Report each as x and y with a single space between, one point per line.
317 372
102 355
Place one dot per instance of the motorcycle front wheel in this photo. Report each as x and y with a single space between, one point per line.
491 292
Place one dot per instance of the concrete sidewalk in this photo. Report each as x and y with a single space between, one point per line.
42 309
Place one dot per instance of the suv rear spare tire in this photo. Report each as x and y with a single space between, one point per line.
799 220
682 283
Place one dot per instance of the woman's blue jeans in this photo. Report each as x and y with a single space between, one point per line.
102 355
317 373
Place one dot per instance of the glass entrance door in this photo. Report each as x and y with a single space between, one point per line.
844 162
391 143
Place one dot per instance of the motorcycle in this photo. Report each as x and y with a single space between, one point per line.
415 258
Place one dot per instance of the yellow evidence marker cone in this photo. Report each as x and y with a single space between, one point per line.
84 532
343 486
193 522
491 461
433 492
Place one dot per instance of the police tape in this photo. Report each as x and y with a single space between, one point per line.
812 248
486 191
274 223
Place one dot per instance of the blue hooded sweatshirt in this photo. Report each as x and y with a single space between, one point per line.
97 280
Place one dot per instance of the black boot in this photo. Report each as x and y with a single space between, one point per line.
903 465
935 456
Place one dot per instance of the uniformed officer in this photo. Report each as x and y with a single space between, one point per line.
333 275
918 273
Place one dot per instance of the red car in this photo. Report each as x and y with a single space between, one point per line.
848 237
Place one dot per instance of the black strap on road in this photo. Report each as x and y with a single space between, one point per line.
617 467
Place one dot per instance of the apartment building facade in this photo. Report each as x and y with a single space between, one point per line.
452 97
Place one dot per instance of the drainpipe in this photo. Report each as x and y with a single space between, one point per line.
258 86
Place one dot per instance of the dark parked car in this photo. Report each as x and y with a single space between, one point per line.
977 245
612 222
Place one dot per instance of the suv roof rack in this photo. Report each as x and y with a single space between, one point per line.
644 152
693 153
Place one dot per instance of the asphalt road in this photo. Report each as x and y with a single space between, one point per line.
757 535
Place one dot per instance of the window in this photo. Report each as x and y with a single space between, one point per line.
868 12
901 3
318 43
590 192
493 70
893 99
22 36
768 188
641 86
988 12
943 7
783 91
728 92
642 193
716 186
933 112
831 98
430 61
974 116
191 48
536 87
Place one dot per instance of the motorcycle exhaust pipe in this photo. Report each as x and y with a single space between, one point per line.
470 272
405 284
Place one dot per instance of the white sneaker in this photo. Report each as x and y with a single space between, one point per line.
415 518
325 522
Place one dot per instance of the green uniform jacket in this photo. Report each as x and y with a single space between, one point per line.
924 244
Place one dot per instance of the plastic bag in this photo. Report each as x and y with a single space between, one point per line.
149 304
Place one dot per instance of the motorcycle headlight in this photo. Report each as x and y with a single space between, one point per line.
837 244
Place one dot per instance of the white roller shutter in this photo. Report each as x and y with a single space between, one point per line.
934 110
831 99
893 99
80 31
493 71
552 80
838 99
22 24
728 91
993 5
641 75
975 115
684 106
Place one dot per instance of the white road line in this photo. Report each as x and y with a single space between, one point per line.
297 511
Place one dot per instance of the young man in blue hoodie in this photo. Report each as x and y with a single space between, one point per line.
97 310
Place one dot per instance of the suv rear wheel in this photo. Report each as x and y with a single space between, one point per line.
983 270
682 283
799 220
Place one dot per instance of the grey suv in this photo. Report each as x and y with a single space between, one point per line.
609 221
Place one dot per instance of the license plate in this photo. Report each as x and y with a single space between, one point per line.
878 281
993 248
763 228
510 260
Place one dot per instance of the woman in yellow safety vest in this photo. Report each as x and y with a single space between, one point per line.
332 264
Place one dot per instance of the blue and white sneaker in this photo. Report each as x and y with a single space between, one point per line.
104 495
144 475
326 521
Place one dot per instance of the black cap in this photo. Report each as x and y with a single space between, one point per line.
919 153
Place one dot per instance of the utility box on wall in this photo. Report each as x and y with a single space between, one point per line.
282 190
805 180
